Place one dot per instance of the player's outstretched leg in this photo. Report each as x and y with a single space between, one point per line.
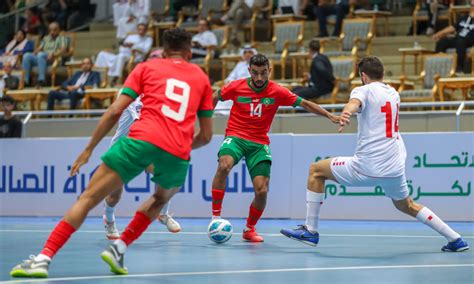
308 233
226 162
260 179
146 213
166 219
427 217
111 231
101 184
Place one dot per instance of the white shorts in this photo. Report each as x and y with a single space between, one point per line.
395 188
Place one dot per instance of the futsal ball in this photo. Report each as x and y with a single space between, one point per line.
219 231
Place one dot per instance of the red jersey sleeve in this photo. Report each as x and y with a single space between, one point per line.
227 92
133 86
206 107
288 98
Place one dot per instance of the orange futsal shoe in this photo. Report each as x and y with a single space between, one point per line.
251 235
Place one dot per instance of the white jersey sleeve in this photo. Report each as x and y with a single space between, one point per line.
129 115
380 151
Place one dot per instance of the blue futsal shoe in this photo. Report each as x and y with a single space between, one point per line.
457 245
302 234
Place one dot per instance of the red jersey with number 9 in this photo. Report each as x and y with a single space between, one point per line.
254 109
174 92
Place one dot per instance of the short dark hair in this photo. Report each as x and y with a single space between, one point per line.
7 99
176 39
314 45
372 67
259 60
142 24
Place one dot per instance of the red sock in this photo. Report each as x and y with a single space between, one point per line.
254 216
217 197
58 237
135 228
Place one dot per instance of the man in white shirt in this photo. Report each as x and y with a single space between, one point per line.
136 12
203 39
241 70
115 62
379 159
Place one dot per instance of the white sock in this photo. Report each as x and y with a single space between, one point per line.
121 246
427 217
41 257
165 209
109 213
314 201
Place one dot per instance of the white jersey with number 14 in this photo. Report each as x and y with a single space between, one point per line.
380 150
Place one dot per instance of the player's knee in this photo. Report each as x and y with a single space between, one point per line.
224 167
261 189
316 170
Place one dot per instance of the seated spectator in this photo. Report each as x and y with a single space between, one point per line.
321 78
18 45
433 7
327 8
8 81
52 46
136 12
240 71
32 23
74 88
203 39
463 39
10 125
119 8
116 62
240 11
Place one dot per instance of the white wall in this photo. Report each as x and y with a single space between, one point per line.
34 179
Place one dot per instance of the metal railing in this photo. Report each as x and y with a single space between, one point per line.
460 106
18 12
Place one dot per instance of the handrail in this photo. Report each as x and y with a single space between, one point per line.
458 115
18 11
326 106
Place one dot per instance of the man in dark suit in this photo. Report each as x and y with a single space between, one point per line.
7 80
321 78
73 88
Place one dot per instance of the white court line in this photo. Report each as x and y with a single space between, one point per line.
263 234
206 273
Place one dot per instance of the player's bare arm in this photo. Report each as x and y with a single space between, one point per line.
106 122
215 98
205 133
350 108
317 109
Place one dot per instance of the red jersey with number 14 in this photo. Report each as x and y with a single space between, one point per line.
174 91
254 109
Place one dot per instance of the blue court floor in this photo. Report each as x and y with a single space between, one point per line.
349 252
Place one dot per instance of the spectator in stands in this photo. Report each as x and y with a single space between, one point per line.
8 81
115 62
239 11
463 39
74 88
136 12
321 78
32 23
203 39
18 45
433 7
10 125
327 8
183 5
119 8
240 71
56 11
52 46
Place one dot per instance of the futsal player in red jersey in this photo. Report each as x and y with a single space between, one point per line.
174 93
256 101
